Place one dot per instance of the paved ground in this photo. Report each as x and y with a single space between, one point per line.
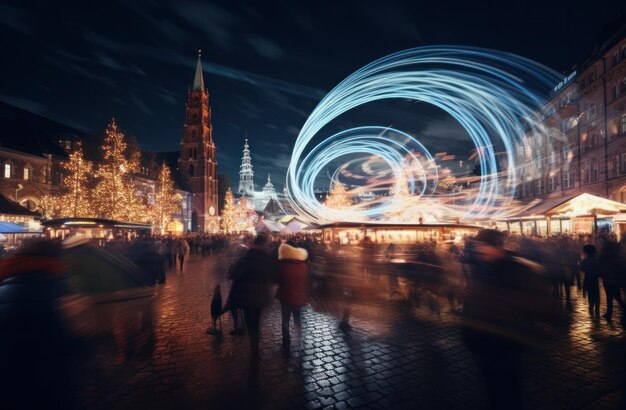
399 354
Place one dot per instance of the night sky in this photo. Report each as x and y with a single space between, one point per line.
266 64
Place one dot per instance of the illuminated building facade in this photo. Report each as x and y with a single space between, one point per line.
197 164
586 116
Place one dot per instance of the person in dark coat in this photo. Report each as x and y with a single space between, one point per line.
251 279
613 277
589 266
216 311
293 272
35 345
506 297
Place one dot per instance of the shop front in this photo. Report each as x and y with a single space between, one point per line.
98 229
581 214
349 233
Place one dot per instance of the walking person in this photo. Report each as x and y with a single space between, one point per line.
252 284
589 266
612 274
504 300
181 250
293 272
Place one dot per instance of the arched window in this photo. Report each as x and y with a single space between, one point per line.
191 170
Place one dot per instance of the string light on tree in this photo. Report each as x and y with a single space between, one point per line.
77 200
229 213
166 201
115 195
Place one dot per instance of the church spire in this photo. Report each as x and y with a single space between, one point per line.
246 175
198 80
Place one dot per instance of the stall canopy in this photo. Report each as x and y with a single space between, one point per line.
573 205
294 226
267 226
9 227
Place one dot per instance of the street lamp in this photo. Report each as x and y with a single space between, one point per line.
19 188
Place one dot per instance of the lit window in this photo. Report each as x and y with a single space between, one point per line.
7 170
26 174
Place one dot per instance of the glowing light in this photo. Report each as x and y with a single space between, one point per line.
495 96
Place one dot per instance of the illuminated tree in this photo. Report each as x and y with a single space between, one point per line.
77 200
448 182
166 201
245 216
115 196
403 207
338 197
229 213
50 206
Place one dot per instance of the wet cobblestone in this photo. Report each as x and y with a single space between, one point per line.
398 355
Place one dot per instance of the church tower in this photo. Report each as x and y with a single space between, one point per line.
246 175
197 163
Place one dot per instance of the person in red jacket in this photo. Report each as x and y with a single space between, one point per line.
293 272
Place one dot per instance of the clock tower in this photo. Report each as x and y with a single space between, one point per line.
197 163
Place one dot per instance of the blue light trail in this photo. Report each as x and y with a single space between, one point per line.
495 96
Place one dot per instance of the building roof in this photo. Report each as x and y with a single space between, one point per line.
611 34
33 134
198 80
273 208
8 207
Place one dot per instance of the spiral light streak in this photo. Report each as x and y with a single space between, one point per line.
494 96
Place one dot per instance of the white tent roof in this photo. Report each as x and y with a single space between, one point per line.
264 225
294 226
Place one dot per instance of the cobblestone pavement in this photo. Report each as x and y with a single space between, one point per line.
399 354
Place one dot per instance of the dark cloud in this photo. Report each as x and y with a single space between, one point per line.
25 104
219 24
265 47
16 19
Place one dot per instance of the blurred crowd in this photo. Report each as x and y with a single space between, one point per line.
57 297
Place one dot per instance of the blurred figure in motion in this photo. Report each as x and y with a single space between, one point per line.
505 297
293 272
613 277
181 249
233 300
251 281
589 267
216 311
35 345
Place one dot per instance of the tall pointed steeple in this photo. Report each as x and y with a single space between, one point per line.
198 80
197 164
246 175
